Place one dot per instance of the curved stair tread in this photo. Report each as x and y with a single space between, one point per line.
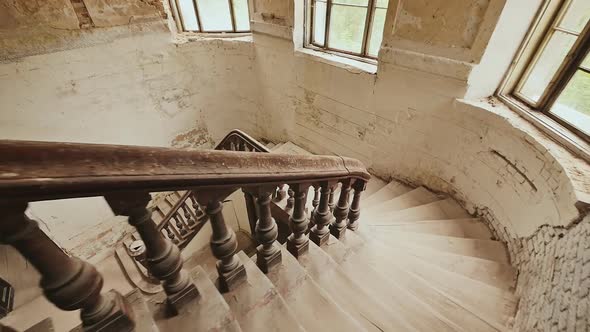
208 312
443 209
390 191
493 305
308 300
486 249
424 292
416 197
466 228
373 186
370 313
499 275
257 304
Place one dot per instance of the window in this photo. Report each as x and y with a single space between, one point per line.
212 15
554 74
353 27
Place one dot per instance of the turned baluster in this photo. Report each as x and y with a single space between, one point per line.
266 231
67 282
320 233
281 193
162 256
314 203
331 202
224 243
355 210
297 242
338 227
290 200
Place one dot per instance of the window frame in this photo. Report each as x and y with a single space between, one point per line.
177 14
547 22
369 20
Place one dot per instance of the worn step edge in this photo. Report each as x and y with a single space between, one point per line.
443 209
416 197
466 228
390 191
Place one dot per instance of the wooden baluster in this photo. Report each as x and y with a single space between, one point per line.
338 227
314 203
67 282
320 233
331 202
199 214
290 200
281 193
188 216
355 210
297 242
268 254
251 211
162 256
179 224
224 243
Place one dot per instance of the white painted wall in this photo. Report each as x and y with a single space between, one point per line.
138 88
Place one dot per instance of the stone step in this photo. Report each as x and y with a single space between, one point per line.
443 209
415 197
492 305
486 249
208 312
257 304
372 314
467 228
387 192
308 301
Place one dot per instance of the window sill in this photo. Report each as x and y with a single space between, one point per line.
336 60
554 129
185 37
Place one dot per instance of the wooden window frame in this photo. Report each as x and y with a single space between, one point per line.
546 24
363 55
177 14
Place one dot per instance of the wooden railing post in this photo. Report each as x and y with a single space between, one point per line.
355 210
268 254
298 243
314 203
251 211
67 282
338 227
162 256
224 243
290 200
320 233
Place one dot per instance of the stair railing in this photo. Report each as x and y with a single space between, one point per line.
125 176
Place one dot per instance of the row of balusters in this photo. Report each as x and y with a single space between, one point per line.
72 284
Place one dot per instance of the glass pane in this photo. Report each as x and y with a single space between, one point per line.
376 31
381 3
352 2
347 25
189 18
215 15
241 15
573 105
576 16
319 23
548 63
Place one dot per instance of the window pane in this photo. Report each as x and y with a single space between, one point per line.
187 11
347 25
319 23
215 15
241 15
377 31
548 63
573 105
352 2
381 3
576 16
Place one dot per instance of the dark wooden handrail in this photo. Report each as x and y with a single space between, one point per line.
236 137
46 170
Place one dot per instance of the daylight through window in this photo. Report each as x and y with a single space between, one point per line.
557 79
352 27
213 15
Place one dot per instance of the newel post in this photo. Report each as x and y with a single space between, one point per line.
268 254
163 258
67 282
355 209
320 233
224 243
338 227
297 242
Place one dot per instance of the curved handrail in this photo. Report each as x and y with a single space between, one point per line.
237 136
46 170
